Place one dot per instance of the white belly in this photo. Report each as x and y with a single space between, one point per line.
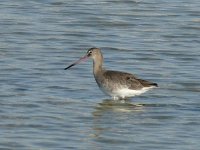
125 92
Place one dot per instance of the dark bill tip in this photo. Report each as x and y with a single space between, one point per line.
69 66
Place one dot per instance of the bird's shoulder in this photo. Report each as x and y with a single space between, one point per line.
123 78
119 75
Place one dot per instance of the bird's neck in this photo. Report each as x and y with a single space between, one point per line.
97 65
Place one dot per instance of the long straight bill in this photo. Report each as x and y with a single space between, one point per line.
77 62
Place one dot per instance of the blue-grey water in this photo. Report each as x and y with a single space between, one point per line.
43 106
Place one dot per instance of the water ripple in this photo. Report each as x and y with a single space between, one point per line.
45 107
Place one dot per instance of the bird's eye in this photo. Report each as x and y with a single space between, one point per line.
89 52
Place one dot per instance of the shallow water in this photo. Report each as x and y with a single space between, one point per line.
42 106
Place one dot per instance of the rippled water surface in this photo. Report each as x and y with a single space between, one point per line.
42 106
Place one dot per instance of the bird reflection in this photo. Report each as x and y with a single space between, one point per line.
109 114
109 105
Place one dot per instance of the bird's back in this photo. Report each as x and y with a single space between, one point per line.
126 79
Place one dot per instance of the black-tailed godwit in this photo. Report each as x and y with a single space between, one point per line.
119 85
